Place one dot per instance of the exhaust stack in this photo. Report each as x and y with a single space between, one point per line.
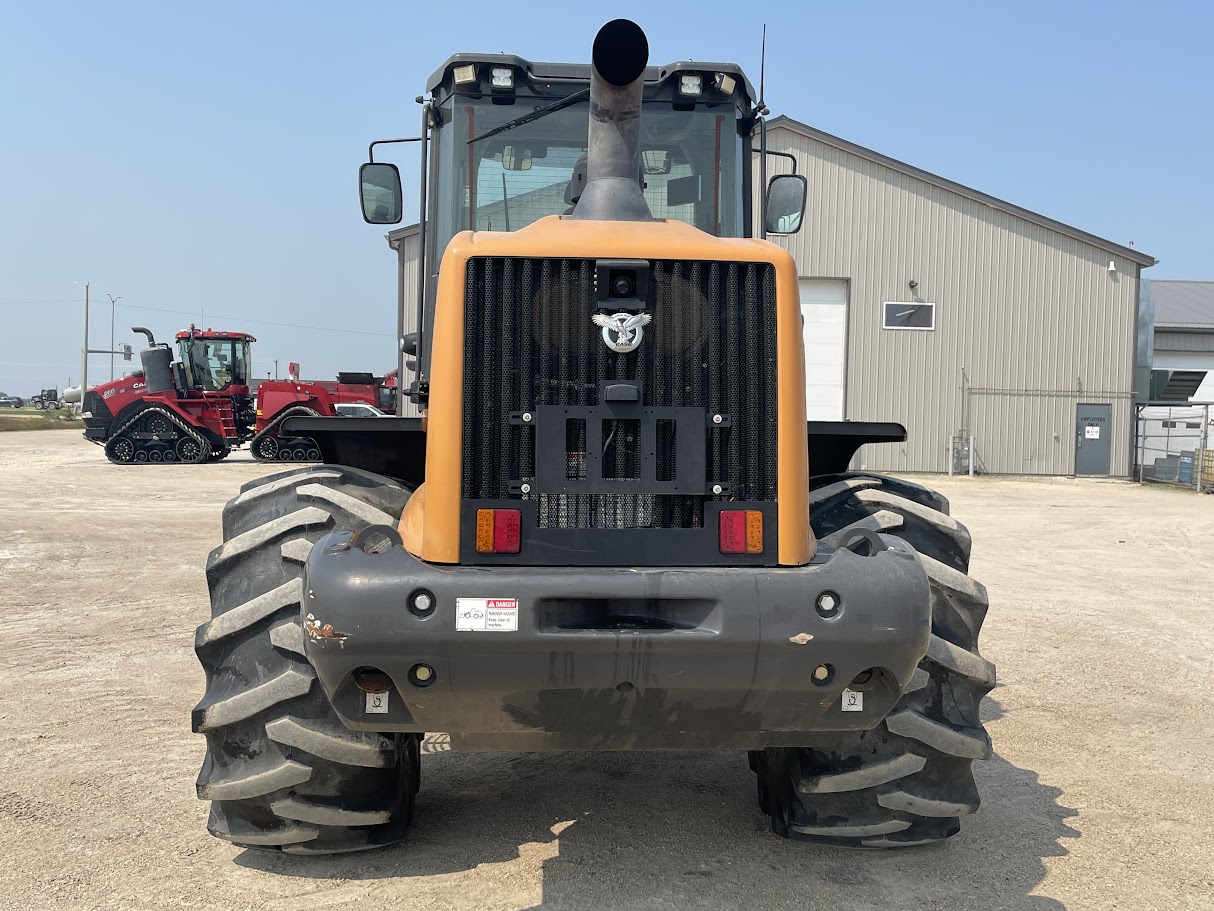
613 148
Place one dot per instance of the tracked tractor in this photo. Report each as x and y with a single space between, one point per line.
613 528
278 400
197 402
190 408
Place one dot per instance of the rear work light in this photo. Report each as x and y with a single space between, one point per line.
498 531
741 531
690 83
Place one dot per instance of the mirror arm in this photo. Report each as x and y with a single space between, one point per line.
420 347
763 174
787 155
381 142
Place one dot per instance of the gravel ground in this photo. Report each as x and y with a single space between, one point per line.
1100 794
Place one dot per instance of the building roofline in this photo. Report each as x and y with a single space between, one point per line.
395 237
1184 328
796 126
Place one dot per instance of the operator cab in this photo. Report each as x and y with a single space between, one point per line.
510 134
214 361
505 143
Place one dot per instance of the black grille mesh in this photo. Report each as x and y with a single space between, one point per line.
529 340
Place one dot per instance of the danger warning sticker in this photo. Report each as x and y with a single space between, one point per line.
497 615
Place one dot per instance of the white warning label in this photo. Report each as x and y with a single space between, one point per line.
496 615
853 701
1091 432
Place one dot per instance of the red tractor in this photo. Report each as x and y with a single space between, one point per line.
195 408
278 400
200 406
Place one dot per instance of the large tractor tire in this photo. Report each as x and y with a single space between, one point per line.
281 770
909 780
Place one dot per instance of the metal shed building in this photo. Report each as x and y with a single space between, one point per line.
1184 335
953 312
950 311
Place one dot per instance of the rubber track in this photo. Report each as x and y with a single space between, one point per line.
205 448
293 411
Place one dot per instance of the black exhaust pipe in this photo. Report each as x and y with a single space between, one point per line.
613 147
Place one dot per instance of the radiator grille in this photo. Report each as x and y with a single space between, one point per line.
529 341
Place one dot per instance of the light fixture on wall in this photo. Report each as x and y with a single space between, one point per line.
1112 265
912 284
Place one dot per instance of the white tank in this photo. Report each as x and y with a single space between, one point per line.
71 395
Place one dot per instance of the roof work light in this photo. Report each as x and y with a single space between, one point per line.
691 83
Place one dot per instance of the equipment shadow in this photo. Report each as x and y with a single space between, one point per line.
683 829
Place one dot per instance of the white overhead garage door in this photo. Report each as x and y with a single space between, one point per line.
824 309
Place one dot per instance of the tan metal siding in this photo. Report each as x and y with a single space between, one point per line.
1033 315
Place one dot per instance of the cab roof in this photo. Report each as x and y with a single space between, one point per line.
211 333
571 74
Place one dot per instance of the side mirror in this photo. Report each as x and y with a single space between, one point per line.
383 202
785 205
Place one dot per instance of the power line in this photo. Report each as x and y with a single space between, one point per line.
66 300
240 319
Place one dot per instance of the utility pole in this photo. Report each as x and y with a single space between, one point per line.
275 368
113 300
84 352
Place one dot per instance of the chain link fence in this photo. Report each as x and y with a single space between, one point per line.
1173 445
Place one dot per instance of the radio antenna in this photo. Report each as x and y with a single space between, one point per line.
763 72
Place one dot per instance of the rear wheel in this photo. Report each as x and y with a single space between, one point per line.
909 780
188 450
281 770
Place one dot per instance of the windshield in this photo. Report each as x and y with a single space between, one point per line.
509 180
215 364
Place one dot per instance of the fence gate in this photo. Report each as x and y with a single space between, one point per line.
1173 445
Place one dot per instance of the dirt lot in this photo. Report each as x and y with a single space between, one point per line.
1100 794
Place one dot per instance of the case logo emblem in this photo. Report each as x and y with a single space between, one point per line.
622 331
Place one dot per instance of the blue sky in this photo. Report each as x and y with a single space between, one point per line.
201 158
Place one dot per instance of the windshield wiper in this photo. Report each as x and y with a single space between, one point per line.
534 115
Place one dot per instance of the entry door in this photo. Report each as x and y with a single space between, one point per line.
1092 424
824 314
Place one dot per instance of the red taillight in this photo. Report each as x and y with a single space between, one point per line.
741 531
498 531
506 530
